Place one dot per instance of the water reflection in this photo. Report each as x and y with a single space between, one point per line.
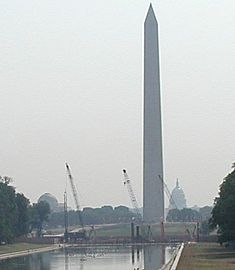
31 262
154 257
149 257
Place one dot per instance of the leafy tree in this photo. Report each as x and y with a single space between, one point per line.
190 215
173 215
184 215
103 215
223 213
22 215
205 212
7 210
39 213
204 227
90 216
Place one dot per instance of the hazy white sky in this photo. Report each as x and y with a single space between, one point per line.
71 91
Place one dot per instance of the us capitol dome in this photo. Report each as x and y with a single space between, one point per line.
177 199
55 206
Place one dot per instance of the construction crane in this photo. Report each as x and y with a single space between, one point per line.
75 195
134 202
171 200
167 191
66 223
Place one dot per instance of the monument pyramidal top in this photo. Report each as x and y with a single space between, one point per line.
150 14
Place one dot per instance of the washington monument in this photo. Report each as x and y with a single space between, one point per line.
153 204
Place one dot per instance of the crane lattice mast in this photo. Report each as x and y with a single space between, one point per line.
75 195
167 191
65 218
134 202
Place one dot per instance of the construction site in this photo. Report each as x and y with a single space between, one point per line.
135 231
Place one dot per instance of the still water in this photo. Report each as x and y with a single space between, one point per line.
150 257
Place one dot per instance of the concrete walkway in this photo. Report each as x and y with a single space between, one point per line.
173 262
28 252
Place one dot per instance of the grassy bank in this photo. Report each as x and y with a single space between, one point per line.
172 230
206 256
4 249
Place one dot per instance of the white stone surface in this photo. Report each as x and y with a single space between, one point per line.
153 204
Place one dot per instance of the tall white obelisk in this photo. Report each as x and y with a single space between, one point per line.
153 205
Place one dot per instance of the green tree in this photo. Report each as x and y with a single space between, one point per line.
183 215
205 212
14 212
103 215
173 215
223 213
22 215
123 214
7 210
39 213
204 227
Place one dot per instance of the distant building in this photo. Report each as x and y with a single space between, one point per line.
55 206
177 199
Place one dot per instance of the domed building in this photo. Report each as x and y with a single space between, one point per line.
177 199
52 201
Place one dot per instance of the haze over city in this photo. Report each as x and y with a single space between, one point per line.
72 91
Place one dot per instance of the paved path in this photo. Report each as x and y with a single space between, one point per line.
173 262
28 252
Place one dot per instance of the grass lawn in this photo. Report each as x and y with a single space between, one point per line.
120 231
19 247
124 230
173 230
206 256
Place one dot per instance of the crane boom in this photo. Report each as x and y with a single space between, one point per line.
134 202
75 194
66 224
167 191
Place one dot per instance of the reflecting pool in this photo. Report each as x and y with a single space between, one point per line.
149 257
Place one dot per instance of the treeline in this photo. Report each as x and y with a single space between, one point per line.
17 216
202 216
102 215
189 215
